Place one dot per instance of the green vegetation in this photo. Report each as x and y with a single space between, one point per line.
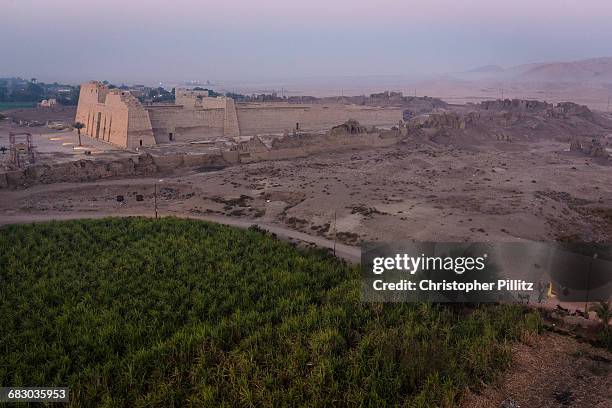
16 105
211 92
31 91
159 94
160 313
78 126
603 310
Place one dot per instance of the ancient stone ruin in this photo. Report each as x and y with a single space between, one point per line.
117 117
590 147
349 135
351 127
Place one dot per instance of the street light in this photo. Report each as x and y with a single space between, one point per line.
155 195
335 231
588 284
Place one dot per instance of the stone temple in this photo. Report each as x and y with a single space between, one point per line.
117 117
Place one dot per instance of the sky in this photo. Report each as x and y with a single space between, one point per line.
138 41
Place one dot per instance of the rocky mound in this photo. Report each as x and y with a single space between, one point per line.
591 147
420 105
351 127
514 105
514 120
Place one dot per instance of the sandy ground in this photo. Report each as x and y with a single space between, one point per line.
577 375
503 193
54 146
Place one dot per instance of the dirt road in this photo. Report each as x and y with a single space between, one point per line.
346 252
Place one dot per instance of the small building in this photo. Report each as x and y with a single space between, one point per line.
47 103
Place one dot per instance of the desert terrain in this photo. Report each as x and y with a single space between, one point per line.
586 82
578 375
457 177
535 192
497 171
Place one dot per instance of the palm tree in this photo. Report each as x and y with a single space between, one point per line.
604 312
78 126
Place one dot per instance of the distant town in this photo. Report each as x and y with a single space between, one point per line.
16 92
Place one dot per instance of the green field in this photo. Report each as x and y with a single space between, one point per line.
16 105
171 313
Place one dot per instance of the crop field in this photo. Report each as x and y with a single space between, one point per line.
133 312
16 105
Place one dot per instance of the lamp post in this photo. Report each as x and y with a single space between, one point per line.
335 232
588 285
155 196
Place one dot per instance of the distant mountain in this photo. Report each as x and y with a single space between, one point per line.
595 69
487 69
588 70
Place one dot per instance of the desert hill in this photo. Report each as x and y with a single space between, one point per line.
590 70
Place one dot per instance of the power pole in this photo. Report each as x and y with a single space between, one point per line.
588 285
335 232
155 198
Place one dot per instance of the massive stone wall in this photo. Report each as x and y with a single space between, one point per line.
90 170
189 97
117 117
275 117
175 123
113 116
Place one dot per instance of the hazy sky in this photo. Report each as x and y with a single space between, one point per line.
166 40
